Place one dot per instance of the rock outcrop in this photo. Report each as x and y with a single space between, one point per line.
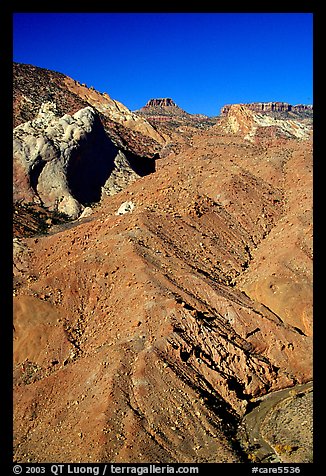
239 119
166 116
160 102
162 108
65 162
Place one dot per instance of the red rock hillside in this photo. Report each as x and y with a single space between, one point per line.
145 329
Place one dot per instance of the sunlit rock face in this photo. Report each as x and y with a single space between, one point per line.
238 118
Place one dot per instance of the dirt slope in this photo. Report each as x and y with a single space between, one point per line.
150 332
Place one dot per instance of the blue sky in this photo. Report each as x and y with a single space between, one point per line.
201 60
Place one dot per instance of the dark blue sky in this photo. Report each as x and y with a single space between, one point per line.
201 60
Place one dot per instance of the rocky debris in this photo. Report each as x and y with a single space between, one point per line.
86 213
125 207
241 119
31 219
18 248
39 337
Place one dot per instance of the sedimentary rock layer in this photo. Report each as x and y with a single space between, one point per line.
271 107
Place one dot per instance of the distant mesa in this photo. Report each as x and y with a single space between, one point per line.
160 102
161 108
165 110
276 106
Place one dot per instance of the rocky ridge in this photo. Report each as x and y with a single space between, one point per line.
267 107
172 307
33 86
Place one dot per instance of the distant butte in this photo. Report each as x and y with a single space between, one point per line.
162 107
161 102
167 113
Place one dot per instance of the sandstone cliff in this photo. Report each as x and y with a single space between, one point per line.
271 107
161 102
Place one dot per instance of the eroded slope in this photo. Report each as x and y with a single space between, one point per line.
156 342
